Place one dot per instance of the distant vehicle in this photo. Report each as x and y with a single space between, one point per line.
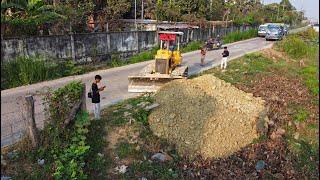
286 29
282 30
262 30
274 32
316 27
214 44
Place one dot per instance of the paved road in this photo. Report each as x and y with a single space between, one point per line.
115 79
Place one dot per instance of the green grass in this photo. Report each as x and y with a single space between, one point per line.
304 46
143 56
306 157
310 75
192 46
153 170
124 150
300 115
97 165
238 36
244 69
29 70
293 46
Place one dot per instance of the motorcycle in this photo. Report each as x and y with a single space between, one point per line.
214 45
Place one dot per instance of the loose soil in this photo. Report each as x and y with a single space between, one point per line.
207 116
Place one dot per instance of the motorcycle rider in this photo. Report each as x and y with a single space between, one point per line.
209 43
217 39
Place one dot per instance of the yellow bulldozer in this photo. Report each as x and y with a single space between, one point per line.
166 67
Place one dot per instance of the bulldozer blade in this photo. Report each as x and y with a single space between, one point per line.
140 84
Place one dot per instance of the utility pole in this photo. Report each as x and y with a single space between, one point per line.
135 14
142 6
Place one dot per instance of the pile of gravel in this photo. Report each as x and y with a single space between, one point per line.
207 116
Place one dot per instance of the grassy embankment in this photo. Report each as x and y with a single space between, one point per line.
294 60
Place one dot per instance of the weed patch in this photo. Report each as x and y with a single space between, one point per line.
310 75
192 46
306 157
238 35
29 70
124 150
301 115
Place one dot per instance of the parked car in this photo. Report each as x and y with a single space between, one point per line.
262 30
316 27
274 32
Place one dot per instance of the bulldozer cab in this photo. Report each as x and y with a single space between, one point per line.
170 40
168 56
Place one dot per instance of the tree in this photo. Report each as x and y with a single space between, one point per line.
115 10
286 5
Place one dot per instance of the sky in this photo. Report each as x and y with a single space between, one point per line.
310 7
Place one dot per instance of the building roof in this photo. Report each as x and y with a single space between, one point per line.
161 24
171 32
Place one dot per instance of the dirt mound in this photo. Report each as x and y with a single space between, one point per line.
207 116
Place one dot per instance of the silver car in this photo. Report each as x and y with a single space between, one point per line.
262 30
274 33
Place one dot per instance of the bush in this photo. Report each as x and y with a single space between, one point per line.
144 56
293 46
65 148
238 35
29 70
192 46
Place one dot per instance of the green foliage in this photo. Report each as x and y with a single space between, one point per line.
62 100
116 61
244 69
159 170
301 115
304 46
294 46
97 161
124 149
143 56
66 146
29 70
192 46
306 156
70 163
238 35
310 75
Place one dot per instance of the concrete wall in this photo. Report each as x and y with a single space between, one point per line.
97 46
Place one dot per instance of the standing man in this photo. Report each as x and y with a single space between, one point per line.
96 96
203 55
225 56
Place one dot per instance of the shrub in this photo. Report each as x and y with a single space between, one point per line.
65 148
143 56
29 70
192 46
238 35
294 46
